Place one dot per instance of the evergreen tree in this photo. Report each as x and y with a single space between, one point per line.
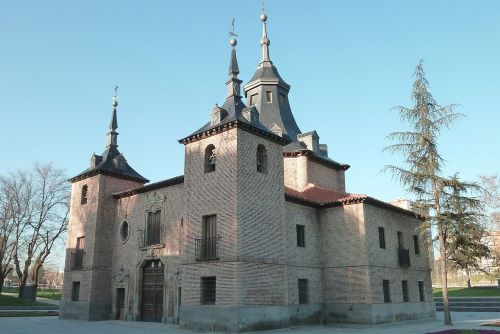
462 215
421 172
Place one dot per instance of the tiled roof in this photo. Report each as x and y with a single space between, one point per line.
320 197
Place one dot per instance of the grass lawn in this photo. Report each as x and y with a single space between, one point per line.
49 294
29 313
13 301
466 292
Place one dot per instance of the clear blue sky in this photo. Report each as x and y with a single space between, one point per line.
348 62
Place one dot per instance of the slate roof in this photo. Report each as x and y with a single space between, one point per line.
267 73
108 166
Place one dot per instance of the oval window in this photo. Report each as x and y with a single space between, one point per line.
124 231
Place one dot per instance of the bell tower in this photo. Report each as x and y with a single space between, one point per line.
233 179
87 273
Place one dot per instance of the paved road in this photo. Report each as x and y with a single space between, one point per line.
54 325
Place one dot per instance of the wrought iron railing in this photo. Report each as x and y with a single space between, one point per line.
404 257
207 249
77 259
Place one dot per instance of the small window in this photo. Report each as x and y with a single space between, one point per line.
210 158
75 291
303 291
421 291
416 244
381 237
253 99
404 287
269 97
153 224
208 292
387 291
124 231
85 190
261 159
301 235
401 243
80 243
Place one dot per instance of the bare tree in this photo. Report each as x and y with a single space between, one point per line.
491 198
7 240
40 205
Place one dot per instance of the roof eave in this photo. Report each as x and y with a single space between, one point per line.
235 124
94 172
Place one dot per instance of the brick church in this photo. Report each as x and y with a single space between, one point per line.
258 233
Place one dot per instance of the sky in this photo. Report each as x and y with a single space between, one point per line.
348 63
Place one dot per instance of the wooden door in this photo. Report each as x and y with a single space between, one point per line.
152 291
120 303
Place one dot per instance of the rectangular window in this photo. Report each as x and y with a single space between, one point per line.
301 236
381 237
421 292
253 99
75 291
153 228
404 287
77 255
303 291
416 244
387 291
269 97
80 243
400 240
208 285
206 247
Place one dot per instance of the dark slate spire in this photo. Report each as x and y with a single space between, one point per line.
111 162
268 92
233 83
234 112
113 125
264 42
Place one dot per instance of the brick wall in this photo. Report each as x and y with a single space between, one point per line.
301 171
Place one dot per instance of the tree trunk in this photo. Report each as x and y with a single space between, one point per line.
468 277
444 277
2 280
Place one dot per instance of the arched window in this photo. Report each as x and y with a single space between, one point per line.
85 190
261 159
210 158
124 231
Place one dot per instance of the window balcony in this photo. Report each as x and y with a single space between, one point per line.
77 259
404 257
207 249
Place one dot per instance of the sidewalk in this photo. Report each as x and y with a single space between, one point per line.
54 325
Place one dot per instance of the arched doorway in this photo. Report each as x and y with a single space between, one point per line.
152 291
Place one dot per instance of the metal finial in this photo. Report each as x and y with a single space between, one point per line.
115 102
233 34
263 16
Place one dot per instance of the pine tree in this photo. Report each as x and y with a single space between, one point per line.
421 172
463 214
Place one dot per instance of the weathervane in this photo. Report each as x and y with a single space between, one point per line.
263 6
115 102
233 33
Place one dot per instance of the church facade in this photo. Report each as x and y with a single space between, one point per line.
258 233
